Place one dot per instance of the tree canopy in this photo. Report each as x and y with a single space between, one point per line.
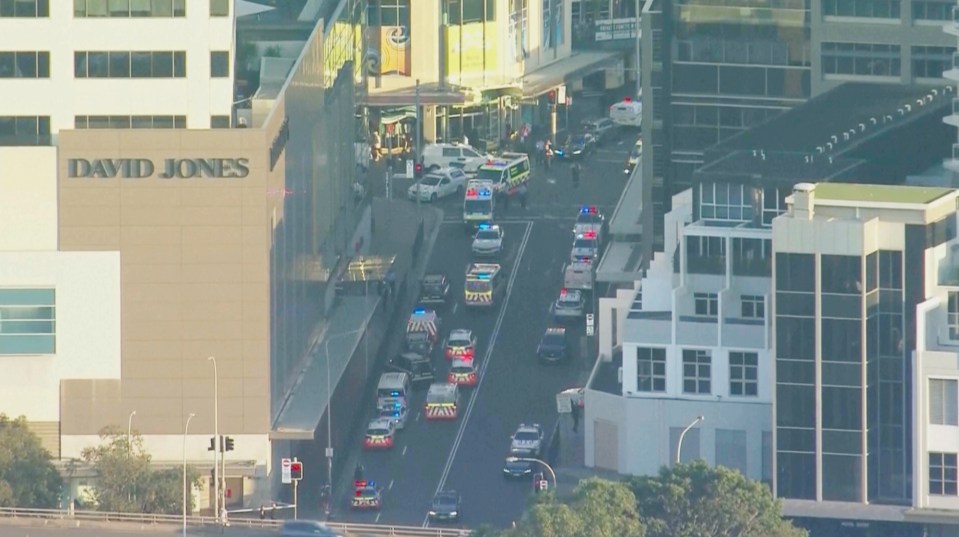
27 475
688 500
126 482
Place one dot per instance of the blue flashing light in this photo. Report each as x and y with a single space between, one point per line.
372 483
484 226
419 311
482 276
394 394
397 405
587 210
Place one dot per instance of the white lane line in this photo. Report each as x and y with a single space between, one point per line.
390 487
487 358
404 454
378 517
455 305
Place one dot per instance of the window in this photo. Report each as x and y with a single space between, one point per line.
864 59
24 130
731 449
129 8
651 369
881 9
725 201
131 122
697 374
942 474
25 64
219 122
25 8
123 64
219 64
932 10
707 304
795 272
952 315
397 13
943 402
774 204
27 321
931 62
754 307
743 373
219 8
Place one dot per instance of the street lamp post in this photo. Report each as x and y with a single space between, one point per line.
186 429
544 463
216 440
130 431
682 435
329 411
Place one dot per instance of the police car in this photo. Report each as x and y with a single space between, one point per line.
528 440
463 372
585 246
589 219
397 414
570 305
438 184
488 240
366 496
379 434
553 347
461 343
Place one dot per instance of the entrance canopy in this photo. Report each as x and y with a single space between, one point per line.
566 71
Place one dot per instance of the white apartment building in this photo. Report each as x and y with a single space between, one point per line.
696 339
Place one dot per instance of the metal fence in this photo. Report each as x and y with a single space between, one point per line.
78 517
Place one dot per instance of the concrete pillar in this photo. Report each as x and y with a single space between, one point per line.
429 123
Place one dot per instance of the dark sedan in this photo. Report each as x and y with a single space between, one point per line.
577 146
418 367
516 468
445 506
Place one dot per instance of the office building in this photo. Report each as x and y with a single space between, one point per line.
150 233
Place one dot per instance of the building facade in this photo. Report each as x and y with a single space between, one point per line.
861 414
151 236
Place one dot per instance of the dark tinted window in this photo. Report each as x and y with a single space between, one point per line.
795 272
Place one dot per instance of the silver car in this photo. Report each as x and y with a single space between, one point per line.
396 414
488 240
570 304
585 247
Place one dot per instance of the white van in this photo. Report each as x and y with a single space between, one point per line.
578 275
436 156
627 113
393 390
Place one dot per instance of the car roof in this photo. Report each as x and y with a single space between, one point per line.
555 330
461 333
529 427
377 423
413 357
446 494
571 294
459 362
434 277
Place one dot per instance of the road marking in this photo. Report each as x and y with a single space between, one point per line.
417 416
404 454
390 487
551 181
455 305
487 358
377 517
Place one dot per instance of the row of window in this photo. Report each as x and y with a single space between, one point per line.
25 64
24 130
735 201
130 122
707 305
110 8
839 274
143 64
697 372
933 10
883 60
28 321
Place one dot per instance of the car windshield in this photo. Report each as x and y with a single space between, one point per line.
526 435
478 206
377 432
366 493
459 342
461 369
431 180
588 218
433 287
487 234
486 174
389 413
416 337
568 300
478 286
584 243
554 340
445 500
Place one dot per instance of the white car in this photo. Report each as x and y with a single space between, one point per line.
488 240
570 304
438 184
436 156
585 247
396 414
527 440
627 113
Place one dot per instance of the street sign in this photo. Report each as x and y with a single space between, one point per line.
564 403
287 465
590 326
409 169
543 484
561 94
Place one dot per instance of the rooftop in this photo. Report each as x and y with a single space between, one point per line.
918 195
786 167
810 125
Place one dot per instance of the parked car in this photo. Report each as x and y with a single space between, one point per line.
438 184
436 156
553 347
603 129
434 288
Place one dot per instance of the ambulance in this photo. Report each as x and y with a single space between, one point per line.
379 434
442 401
484 282
422 331
478 204
393 390
463 373
507 172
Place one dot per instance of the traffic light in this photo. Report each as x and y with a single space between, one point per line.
551 96
417 170
296 470
229 443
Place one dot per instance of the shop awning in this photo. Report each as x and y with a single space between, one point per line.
566 71
430 94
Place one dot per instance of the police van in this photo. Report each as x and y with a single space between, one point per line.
627 113
478 204
507 172
578 274
393 390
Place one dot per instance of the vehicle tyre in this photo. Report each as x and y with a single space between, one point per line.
433 198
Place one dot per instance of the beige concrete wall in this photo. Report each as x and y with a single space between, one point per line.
194 256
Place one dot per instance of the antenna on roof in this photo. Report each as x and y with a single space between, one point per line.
845 136
935 92
889 118
921 102
948 89
762 153
908 108
930 97
829 146
902 112
808 159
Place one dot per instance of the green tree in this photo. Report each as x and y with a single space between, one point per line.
126 483
27 475
598 508
696 500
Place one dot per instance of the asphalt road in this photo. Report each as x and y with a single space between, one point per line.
467 454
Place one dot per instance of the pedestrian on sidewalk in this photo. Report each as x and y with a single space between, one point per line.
540 152
575 412
548 153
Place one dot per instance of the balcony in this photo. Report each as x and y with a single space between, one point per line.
706 264
607 34
650 326
744 333
696 330
954 118
756 267
953 163
949 273
953 28
953 72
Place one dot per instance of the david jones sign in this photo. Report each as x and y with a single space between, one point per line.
171 168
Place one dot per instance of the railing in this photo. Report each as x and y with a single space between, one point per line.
234 522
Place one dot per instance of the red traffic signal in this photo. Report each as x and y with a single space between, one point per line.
296 470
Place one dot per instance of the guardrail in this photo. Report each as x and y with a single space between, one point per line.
237 522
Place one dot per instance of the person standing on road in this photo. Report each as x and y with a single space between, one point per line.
548 153
522 195
574 171
540 151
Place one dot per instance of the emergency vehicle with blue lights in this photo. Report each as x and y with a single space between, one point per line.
483 284
507 172
478 204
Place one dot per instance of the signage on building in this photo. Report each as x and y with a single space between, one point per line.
287 470
171 168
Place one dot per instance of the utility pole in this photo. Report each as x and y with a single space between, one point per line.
639 85
416 143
